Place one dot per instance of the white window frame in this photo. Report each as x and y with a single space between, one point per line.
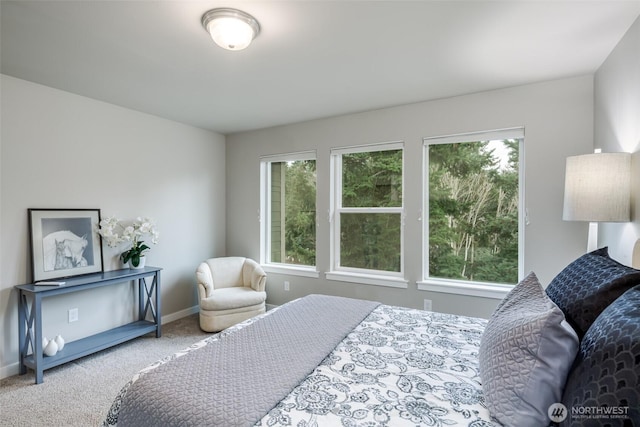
463 287
265 216
360 275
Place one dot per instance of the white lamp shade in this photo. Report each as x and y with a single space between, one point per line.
597 188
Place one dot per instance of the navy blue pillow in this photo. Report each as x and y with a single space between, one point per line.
588 285
606 372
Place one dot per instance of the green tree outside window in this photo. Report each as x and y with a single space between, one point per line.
473 211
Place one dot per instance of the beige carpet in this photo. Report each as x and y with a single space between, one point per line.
80 393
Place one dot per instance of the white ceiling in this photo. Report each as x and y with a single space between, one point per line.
312 59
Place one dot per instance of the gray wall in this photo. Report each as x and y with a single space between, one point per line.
617 129
61 150
558 120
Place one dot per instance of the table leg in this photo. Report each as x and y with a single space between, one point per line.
141 299
23 327
36 312
158 308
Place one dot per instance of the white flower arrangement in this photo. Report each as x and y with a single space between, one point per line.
114 232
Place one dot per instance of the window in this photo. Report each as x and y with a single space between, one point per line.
473 196
367 213
288 214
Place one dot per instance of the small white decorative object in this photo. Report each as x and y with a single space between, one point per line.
60 342
51 349
45 341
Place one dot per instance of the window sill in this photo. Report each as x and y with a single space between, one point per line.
367 279
291 270
476 289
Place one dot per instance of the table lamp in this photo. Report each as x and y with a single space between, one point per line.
597 188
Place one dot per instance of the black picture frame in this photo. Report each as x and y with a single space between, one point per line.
64 243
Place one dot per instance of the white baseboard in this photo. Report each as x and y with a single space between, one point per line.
9 370
14 368
180 314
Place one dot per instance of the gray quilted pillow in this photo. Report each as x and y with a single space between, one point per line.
526 352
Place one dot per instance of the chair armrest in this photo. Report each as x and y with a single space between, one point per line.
204 279
259 280
202 292
254 275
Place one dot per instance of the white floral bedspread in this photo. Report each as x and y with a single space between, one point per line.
399 367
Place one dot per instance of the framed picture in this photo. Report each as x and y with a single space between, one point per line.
64 242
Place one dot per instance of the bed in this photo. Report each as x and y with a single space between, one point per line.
566 354
383 364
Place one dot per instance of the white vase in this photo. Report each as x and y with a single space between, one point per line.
60 342
141 265
51 349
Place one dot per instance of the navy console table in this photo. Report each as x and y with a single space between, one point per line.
30 317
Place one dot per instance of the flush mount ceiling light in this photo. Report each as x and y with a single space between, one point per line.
231 29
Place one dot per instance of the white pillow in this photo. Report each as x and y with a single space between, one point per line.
526 352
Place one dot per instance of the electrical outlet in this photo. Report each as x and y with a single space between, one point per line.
427 305
286 286
73 315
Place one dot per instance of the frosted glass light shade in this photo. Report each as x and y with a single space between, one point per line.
231 29
597 188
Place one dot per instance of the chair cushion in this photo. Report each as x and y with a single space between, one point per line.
607 370
226 271
525 354
588 285
229 298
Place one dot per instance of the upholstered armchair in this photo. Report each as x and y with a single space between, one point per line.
230 289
